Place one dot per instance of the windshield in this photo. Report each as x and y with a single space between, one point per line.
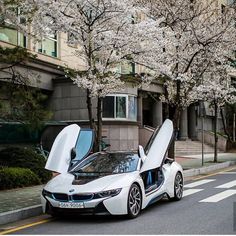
109 163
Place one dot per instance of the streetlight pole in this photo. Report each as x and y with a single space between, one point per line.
202 114
234 127
202 140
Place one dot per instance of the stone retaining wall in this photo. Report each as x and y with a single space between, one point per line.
209 139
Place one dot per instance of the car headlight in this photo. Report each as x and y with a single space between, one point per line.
108 193
46 193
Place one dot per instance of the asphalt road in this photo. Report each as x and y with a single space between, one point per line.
204 209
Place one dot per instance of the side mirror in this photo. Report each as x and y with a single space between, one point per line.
73 153
141 153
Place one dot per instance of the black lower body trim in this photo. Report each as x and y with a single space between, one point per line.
100 209
155 199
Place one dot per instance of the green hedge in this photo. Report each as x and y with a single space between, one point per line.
25 158
14 177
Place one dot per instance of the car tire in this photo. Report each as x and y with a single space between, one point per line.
178 187
134 202
51 211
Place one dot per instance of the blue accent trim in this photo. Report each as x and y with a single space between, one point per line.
151 192
155 199
149 178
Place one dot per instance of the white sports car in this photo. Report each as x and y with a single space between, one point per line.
116 183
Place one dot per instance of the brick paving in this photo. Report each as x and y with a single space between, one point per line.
19 198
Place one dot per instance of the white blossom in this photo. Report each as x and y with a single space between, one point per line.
216 88
108 33
198 39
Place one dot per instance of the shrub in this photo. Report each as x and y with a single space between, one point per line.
14 177
25 158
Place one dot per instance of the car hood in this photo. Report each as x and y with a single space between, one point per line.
63 183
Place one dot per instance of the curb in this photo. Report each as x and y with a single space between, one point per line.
207 169
20 214
23 213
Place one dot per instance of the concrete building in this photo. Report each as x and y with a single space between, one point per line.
128 116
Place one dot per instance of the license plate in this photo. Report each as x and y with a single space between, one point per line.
71 204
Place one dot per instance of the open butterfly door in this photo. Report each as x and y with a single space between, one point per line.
157 146
60 155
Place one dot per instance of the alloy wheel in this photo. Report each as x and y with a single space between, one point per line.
134 201
178 186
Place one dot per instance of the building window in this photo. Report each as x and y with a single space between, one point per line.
233 82
109 107
120 107
223 8
132 108
126 68
72 39
192 5
9 34
48 46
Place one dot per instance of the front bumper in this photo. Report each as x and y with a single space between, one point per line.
100 209
116 205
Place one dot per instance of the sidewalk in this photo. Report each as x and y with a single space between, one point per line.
22 203
195 161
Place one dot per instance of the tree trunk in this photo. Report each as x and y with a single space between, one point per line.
215 132
90 114
166 111
92 124
224 125
99 125
171 152
176 120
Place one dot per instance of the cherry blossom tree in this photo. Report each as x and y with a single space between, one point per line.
198 36
216 89
179 40
107 32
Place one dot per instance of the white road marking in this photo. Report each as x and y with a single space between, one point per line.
197 183
228 173
227 185
219 196
191 191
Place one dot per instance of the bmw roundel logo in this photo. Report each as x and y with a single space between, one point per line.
71 191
